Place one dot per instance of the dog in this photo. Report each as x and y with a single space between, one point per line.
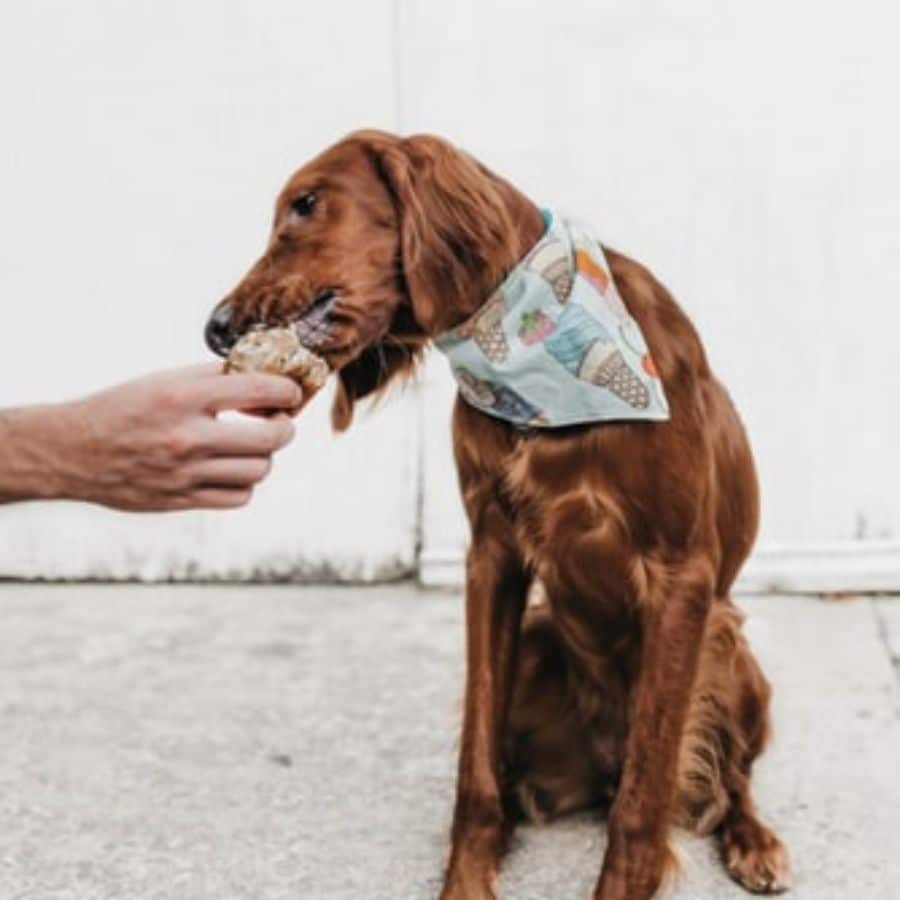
625 681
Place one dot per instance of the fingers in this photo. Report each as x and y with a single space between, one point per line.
218 483
258 437
229 472
292 411
253 390
213 498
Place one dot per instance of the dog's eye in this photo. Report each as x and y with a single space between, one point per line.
305 203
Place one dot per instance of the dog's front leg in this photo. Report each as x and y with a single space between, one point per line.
496 585
673 625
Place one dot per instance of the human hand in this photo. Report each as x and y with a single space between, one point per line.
156 443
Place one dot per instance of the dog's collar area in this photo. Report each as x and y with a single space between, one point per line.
554 345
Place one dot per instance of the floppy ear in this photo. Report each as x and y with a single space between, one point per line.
396 354
457 233
460 228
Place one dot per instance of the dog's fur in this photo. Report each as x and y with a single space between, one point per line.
627 679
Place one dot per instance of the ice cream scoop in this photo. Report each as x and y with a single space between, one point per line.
278 351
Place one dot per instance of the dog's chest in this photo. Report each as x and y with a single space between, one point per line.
550 493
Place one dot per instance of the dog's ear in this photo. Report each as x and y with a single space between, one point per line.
455 224
459 229
396 355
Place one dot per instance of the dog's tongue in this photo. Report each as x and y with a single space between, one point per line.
308 331
313 328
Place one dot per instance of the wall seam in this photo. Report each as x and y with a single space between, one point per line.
418 386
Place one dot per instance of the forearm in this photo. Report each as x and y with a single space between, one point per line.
33 459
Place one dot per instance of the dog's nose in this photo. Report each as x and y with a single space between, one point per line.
220 334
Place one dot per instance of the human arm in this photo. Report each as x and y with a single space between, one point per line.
151 444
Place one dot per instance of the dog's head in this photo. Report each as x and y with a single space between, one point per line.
377 244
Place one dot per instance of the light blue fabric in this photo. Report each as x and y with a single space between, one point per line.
554 345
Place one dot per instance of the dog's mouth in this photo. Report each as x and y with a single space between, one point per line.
313 327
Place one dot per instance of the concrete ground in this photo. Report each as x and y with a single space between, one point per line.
284 742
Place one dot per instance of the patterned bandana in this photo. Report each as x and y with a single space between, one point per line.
554 345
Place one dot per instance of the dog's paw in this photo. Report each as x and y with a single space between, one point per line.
756 859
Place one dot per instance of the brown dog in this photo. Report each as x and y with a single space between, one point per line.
631 681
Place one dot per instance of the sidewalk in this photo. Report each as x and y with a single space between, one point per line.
284 743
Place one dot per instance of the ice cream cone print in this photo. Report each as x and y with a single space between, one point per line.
550 259
497 398
598 276
584 347
608 369
475 391
576 332
560 298
486 328
488 331
591 270
513 406
534 327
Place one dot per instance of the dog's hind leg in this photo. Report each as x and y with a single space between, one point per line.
564 736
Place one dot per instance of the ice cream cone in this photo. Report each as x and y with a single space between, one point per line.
534 326
488 331
576 334
614 374
551 261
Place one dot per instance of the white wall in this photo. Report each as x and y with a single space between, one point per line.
143 144
746 152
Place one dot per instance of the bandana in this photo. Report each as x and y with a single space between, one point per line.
554 345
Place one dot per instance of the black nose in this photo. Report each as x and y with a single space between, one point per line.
220 335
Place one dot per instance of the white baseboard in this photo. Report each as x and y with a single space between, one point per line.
442 568
845 566
841 567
